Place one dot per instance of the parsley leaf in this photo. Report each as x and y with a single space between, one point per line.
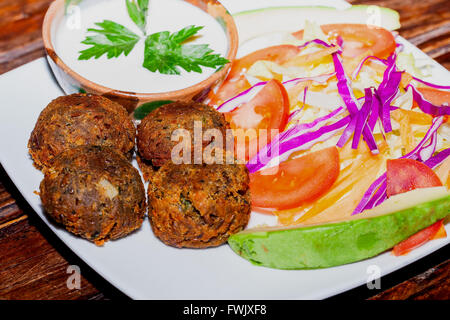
141 112
112 39
165 53
138 12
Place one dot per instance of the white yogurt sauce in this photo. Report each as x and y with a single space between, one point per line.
127 73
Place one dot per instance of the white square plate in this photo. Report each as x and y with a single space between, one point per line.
140 265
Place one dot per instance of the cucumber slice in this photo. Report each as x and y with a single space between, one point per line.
340 242
254 23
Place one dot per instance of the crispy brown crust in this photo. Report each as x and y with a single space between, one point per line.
147 169
80 119
156 129
95 193
198 206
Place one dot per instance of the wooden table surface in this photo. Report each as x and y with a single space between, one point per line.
34 262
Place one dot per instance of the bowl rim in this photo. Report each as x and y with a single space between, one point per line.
230 31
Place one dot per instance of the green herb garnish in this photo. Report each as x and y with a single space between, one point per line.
68 3
138 11
112 39
141 112
165 52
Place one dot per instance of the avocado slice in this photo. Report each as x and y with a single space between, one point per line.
345 241
289 19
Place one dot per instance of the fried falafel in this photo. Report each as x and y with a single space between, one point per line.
198 206
154 138
95 193
80 119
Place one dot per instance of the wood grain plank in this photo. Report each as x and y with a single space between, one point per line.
422 22
8 207
432 284
31 269
20 32
33 261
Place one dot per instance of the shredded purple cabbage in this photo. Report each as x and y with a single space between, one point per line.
388 90
362 117
319 79
432 85
246 95
437 160
360 122
348 131
299 137
241 98
415 153
343 85
317 41
340 41
426 106
363 61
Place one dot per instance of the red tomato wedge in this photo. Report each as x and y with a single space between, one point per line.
269 109
236 82
296 181
359 39
404 175
419 238
435 96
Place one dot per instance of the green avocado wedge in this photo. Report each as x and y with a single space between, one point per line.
251 24
345 241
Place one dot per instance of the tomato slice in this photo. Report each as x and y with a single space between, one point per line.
435 96
359 39
296 181
230 88
269 109
418 239
236 81
404 175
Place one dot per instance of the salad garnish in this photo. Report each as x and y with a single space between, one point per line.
164 52
111 39
375 104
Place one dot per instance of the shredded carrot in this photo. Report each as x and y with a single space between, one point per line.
406 134
443 172
285 218
350 64
297 90
346 192
406 79
441 233
343 199
414 116
406 118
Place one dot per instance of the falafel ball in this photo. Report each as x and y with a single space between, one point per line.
154 138
80 119
198 206
94 192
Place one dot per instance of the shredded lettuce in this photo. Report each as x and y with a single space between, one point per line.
311 31
406 62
